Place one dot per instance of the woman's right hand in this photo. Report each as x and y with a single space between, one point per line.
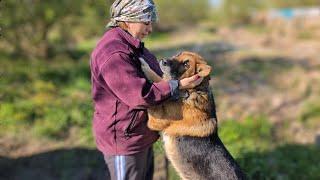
190 82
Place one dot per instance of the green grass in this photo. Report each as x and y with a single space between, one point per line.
288 161
311 114
253 134
263 157
257 29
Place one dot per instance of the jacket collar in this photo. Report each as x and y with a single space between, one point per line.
129 38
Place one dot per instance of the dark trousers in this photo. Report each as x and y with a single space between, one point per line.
131 167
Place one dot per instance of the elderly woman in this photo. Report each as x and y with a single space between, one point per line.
122 94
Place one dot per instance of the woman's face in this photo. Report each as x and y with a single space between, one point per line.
139 30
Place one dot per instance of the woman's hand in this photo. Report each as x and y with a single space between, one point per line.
190 82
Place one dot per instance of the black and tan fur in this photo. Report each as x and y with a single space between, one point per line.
189 125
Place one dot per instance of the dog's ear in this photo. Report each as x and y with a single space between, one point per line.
203 70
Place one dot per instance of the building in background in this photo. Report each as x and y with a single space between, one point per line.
306 16
293 13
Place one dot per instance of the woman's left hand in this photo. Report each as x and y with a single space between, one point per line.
190 82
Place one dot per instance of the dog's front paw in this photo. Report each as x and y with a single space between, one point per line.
144 66
146 69
148 72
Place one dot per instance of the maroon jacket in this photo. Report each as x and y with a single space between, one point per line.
121 94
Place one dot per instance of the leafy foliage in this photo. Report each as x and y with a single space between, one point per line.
295 3
239 11
37 27
181 12
49 99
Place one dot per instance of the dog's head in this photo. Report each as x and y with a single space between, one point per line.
190 116
185 64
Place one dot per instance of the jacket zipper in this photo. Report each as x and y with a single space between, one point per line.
127 131
115 118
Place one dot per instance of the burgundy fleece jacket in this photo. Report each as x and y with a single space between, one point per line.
121 94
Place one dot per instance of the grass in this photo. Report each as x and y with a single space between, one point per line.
310 114
255 134
257 29
263 157
288 161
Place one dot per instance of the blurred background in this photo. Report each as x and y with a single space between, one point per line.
266 82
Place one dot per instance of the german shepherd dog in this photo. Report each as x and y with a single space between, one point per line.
189 125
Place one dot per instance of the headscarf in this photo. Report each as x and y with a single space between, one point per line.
132 11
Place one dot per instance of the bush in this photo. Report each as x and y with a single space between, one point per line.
173 14
48 98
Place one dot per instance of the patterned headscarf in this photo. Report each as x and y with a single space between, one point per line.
132 11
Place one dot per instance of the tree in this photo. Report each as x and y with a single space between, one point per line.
240 11
30 27
181 12
295 3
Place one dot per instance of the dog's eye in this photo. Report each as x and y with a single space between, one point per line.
186 63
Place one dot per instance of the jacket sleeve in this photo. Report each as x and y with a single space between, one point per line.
128 83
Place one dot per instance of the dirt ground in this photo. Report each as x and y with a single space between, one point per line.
280 78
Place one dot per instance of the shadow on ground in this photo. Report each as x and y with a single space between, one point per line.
285 162
290 161
71 164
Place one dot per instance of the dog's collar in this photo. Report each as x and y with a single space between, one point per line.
184 94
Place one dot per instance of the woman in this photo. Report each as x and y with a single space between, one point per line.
121 93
